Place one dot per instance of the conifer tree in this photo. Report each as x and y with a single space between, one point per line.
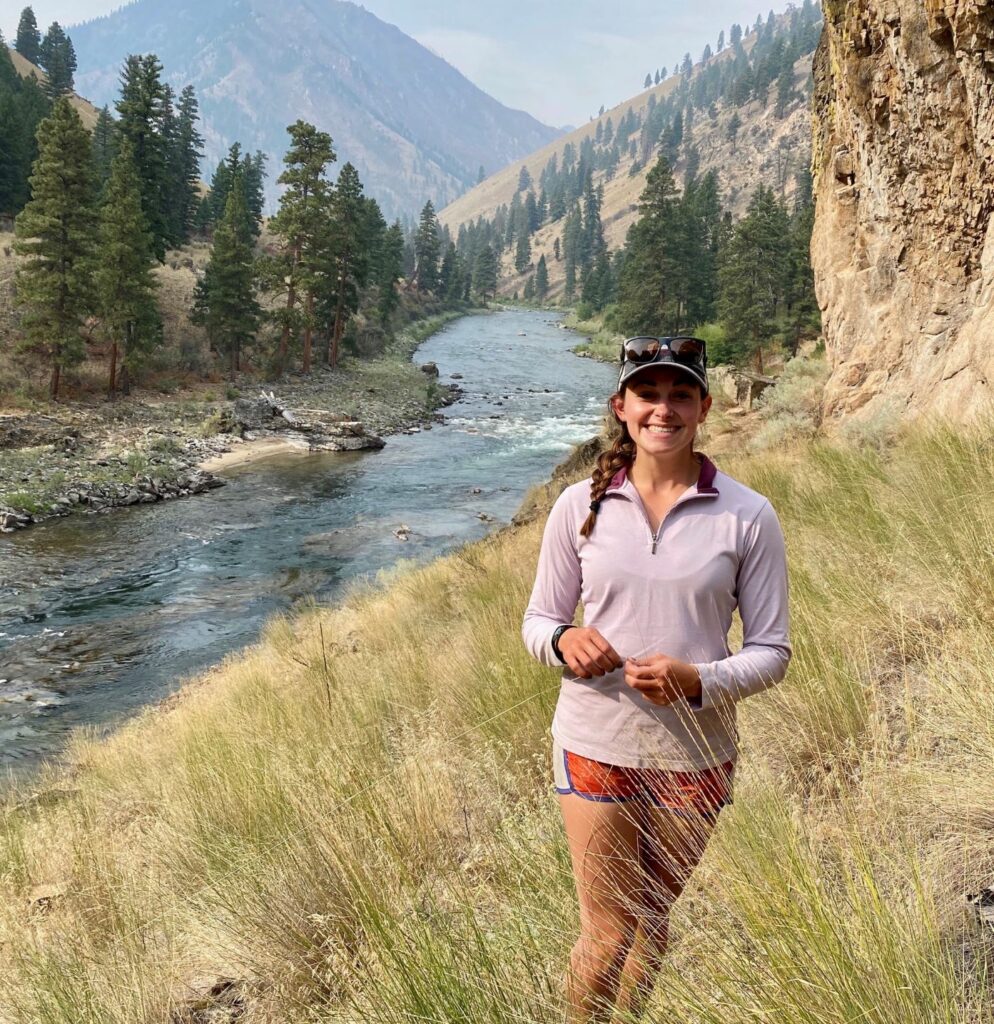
754 275
225 299
27 42
55 234
481 175
647 300
647 84
58 58
125 288
485 273
348 254
104 146
541 278
302 214
140 109
522 253
186 152
732 129
427 250
23 105
390 267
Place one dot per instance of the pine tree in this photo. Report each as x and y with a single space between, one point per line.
721 41
348 255
647 296
254 177
225 299
541 278
754 275
104 146
647 84
55 232
427 250
389 270
556 249
140 109
302 215
28 39
187 150
58 58
481 175
522 253
485 273
524 179
125 288
732 129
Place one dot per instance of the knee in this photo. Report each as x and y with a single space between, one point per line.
600 954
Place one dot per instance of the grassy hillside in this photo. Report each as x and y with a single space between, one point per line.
353 821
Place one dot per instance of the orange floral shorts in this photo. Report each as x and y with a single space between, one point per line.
704 791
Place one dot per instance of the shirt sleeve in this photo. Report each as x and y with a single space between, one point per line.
557 584
761 586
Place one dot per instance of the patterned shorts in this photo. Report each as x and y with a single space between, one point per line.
685 792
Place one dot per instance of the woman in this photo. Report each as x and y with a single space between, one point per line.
660 547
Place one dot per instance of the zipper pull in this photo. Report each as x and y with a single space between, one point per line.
654 539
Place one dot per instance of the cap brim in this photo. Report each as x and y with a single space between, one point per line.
630 370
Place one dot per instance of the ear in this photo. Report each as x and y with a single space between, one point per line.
705 408
618 407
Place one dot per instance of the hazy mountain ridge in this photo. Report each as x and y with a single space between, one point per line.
414 127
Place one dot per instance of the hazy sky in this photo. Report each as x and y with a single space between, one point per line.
557 59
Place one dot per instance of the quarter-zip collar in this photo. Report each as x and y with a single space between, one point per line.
704 488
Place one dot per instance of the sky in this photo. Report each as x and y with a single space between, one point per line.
560 60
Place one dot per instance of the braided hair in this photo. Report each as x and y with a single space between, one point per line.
620 454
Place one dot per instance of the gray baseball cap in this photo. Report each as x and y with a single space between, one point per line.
684 353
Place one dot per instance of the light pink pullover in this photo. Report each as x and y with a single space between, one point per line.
718 547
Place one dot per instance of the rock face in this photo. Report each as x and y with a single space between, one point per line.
903 251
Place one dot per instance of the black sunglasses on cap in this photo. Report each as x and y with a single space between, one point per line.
689 354
650 350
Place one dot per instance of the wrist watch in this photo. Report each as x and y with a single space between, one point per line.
555 641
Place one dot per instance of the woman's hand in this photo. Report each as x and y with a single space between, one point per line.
662 679
587 653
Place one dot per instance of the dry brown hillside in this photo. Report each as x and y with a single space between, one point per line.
87 111
767 150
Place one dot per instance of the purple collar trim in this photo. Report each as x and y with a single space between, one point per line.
705 482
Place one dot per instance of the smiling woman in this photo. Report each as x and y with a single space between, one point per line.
660 548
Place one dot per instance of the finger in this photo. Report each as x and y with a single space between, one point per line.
597 660
605 650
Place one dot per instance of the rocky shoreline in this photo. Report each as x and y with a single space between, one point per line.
97 456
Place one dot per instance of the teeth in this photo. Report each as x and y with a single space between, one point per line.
663 430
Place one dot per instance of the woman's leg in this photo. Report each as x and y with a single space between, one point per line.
603 841
669 846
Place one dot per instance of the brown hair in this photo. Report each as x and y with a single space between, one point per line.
620 454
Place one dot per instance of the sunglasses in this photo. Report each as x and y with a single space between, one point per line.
691 351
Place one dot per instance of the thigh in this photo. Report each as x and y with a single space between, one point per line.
603 838
670 846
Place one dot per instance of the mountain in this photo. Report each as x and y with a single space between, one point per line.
771 146
903 232
413 126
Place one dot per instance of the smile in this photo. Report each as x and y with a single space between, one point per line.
663 430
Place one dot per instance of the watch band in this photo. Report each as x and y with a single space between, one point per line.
556 638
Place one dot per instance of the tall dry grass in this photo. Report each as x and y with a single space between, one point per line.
353 821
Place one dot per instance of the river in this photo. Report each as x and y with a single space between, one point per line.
103 614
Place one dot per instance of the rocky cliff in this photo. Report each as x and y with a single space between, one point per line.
903 250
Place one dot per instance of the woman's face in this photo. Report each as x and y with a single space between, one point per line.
662 409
